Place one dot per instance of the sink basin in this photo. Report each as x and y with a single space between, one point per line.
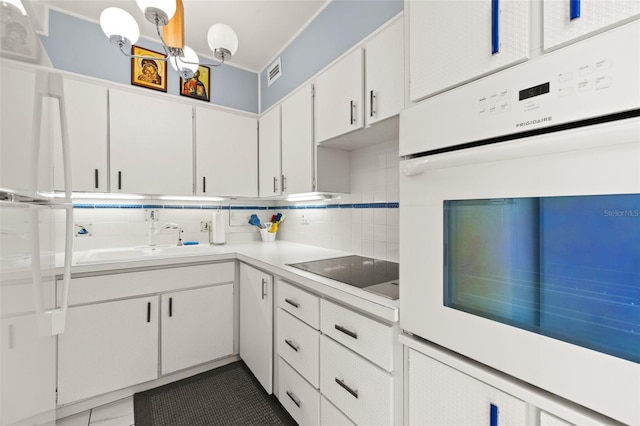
143 252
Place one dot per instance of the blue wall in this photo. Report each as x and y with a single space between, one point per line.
81 47
339 27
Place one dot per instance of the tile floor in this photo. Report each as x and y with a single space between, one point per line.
118 413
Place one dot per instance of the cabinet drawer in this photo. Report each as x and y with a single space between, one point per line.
299 398
358 388
300 303
299 345
368 337
331 416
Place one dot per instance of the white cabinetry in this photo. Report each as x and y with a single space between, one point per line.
107 346
87 118
270 183
452 42
440 395
197 326
256 323
226 153
297 143
570 20
151 144
384 72
339 98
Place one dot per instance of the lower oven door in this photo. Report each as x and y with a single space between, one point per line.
525 255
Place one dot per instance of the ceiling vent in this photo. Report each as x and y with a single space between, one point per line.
274 71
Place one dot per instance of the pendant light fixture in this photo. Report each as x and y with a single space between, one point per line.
122 30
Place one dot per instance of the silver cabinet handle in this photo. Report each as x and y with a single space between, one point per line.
292 303
342 384
264 285
120 180
284 183
347 332
204 184
294 399
371 107
290 343
353 115
275 184
95 176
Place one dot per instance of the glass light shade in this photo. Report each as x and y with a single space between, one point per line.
222 36
18 4
117 22
167 6
189 56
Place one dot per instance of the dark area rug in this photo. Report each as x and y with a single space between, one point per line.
229 395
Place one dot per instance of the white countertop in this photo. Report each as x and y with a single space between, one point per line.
272 257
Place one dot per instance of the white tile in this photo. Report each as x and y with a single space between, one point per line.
118 413
381 177
367 231
380 233
393 252
367 248
393 176
393 159
380 194
379 250
367 216
356 216
80 419
393 217
382 161
393 234
380 216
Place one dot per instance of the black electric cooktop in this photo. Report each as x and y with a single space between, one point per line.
375 275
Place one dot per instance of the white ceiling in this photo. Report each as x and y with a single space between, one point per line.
263 26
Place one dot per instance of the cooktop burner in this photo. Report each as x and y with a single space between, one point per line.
358 271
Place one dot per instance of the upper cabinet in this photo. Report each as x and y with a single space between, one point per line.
568 20
384 72
151 144
339 98
270 181
452 42
87 118
226 154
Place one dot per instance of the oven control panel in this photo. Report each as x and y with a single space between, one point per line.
592 78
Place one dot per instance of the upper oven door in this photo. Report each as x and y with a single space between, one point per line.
481 231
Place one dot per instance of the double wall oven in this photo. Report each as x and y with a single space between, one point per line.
520 222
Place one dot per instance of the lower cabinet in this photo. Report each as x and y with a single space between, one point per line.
297 395
107 346
197 326
256 323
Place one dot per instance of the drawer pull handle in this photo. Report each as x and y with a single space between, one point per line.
294 399
148 311
290 343
95 176
292 303
493 415
347 388
170 306
347 332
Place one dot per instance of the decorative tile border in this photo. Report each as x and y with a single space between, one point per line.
209 207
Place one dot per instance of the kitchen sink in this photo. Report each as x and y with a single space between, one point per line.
143 252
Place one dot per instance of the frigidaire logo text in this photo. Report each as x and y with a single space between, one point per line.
532 122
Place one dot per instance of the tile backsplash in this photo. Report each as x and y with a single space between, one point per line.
365 222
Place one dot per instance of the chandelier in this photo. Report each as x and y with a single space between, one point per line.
168 17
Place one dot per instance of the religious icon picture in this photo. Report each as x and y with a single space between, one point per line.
148 72
197 86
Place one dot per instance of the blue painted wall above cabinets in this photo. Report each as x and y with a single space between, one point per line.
338 27
80 46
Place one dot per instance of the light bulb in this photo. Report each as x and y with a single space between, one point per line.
117 24
223 41
187 65
163 10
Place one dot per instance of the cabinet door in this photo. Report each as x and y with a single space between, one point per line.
269 154
297 142
86 106
339 99
568 20
226 154
197 326
151 145
440 395
384 59
256 323
107 346
455 41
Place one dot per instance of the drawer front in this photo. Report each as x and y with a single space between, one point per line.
299 345
297 396
300 303
331 416
369 338
358 388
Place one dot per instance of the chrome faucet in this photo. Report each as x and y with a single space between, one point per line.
162 228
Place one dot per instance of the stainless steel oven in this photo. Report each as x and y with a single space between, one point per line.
520 222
